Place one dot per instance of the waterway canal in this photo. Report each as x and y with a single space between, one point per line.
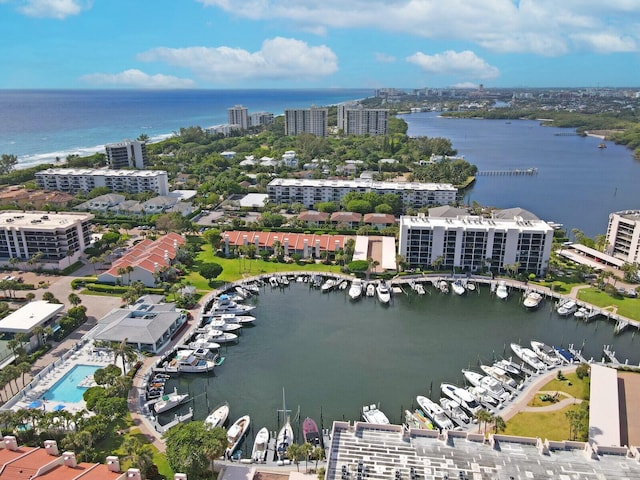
332 355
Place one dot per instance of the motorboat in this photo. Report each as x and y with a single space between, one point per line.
581 313
216 336
435 413
224 304
471 286
244 293
261 446
566 308
328 285
500 375
463 397
217 417
311 432
501 291
529 357
453 410
201 360
172 400
547 354
372 414
284 281
236 432
240 319
493 387
197 344
458 287
383 292
532 300
443 286
220 324
343 285
371 290
566 355
481 395
355 290
510 367
418 288
416 419
273 281
252 288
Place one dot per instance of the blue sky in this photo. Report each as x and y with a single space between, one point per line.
319 43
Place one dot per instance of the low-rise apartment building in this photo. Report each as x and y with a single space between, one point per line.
73 180
311 191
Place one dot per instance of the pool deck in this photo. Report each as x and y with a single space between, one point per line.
48 377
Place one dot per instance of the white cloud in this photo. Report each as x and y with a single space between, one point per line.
544 27
464 63
384 58
137 78
279 58
58 9
465 85
601 42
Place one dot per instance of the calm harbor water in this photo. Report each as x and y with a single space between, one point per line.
332 355
578 184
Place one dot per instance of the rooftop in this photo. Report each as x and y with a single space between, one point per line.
30 316
360 183
41 220
102 172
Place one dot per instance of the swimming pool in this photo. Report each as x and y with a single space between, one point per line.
66 389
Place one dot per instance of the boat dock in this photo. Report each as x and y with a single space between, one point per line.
176 420
515 171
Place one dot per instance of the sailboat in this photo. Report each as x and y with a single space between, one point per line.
285 435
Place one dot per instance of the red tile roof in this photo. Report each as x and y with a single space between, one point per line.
346 217
294 240
146 253
379 218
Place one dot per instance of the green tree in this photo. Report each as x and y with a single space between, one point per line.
483 417
7 163
295 454
210 270
499 425
125 351
191 448
213 237
317 454
74 299
358 266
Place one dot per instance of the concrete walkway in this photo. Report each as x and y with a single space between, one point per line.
559 405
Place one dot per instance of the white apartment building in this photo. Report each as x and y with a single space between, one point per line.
126 154
61 237
354 119
472 243
258 119
623 235
311 191
73 180
311 120
239 115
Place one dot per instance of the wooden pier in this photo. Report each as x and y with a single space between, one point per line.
516 171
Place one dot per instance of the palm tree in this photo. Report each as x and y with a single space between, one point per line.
129 269
306 449
483 416
371 265
438 262
121 272
317 454
499 425
30 296
294 452
125 351
93 261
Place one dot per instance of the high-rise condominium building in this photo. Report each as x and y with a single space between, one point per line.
623 235
312 120
239 115
353 119
126 154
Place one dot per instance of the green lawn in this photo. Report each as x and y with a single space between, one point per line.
627 307
549 425
572 385
236 268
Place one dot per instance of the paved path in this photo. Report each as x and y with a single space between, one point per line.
565 402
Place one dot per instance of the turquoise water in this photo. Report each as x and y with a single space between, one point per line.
66 389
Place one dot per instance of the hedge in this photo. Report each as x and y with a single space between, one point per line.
104 288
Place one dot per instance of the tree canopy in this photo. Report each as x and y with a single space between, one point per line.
191 447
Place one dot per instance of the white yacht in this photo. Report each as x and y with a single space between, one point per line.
419 288
492 385
355 290
529 357
443 286
453 410
532 300
328 285
463 397
501 291
481 395
500 375
233 318
223 325
435 413
372 414
236 432
566 308
201 360
216 336
217 417
547 354
458 287
261 446
383 292
371 290
172 400
224 304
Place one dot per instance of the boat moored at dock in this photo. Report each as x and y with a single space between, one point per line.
261 446
372 414
435 413
236 432
529 357
217 417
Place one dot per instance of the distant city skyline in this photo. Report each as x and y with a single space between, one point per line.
169 44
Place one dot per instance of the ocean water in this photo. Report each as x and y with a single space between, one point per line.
40 125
